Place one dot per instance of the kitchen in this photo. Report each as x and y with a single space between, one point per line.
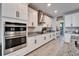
27 27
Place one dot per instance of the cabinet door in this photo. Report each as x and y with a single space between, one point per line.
67 37
47 38
53 36
68 20
38 41
50 22
33 17
47 20
9 10
53 24
22 8
31 43
75 19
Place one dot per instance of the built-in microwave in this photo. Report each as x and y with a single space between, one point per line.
15 36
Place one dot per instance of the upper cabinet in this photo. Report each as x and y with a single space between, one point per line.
75 19
9 10
23 11
68 20
53 24
72 20
48 21
15 10
32 17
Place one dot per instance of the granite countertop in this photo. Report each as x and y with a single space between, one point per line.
37 33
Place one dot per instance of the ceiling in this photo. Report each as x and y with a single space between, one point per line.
62 8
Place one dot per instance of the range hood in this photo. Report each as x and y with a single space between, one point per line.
40 18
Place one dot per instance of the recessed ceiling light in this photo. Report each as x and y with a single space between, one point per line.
49 4
55 11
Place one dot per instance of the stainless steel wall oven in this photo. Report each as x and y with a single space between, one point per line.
15 36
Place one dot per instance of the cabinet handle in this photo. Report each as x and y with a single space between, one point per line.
44 38
32 23
35 41
71 24
17 13
50 36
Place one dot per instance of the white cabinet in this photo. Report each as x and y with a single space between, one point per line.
15 10
31 43
39 40
47 37
72 20
34 42
48 21
9 10
75 19
53 24
52 36
68 20
67 37
23 11
32 17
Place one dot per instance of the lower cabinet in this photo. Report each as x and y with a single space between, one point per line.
33 43
39 41
53 36
67 38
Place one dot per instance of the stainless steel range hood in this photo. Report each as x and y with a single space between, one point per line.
40 18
